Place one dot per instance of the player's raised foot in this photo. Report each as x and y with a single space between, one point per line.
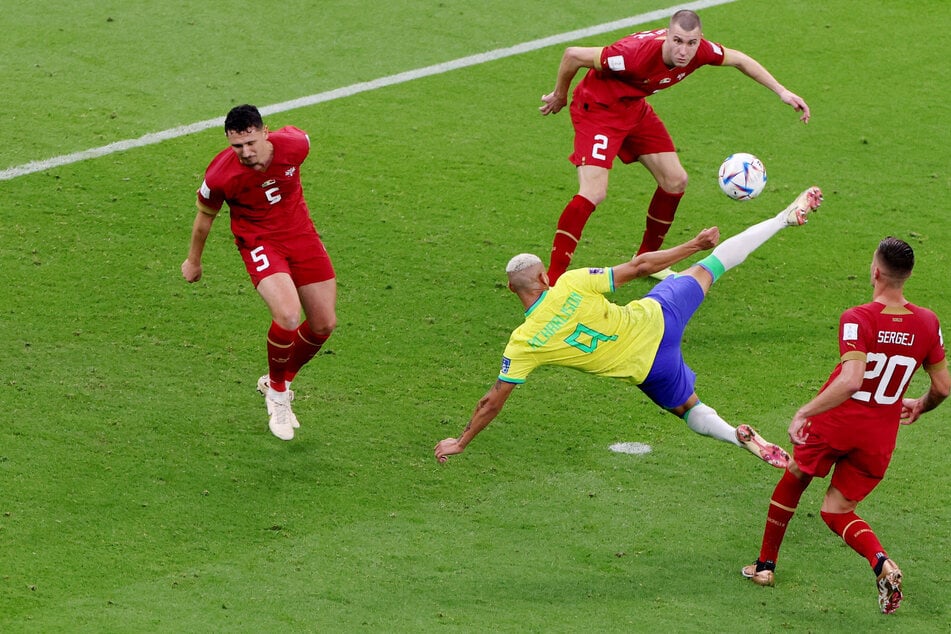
757 445
889 587
282 420
264 383
764 577
806 203
663 274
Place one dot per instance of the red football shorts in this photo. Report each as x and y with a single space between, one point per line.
303 257
857 469
626 130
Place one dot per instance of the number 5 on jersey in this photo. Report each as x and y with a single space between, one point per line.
273 195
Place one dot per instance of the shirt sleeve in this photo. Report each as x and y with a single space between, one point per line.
593 280
295 142
517 363
852 330
937 354
710 53
210 198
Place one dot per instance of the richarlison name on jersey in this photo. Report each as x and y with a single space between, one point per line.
897 338
567 310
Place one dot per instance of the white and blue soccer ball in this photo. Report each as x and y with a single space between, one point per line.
742 176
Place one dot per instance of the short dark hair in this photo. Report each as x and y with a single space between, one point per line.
242 118
896 256
686 19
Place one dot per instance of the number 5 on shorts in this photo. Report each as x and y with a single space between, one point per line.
258 255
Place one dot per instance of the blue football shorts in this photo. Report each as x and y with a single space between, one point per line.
670 381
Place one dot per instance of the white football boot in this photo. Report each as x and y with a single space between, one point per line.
264 384
282 420
806 203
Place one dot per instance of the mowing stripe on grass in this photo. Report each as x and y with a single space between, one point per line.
347 91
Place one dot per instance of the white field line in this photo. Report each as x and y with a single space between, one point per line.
347 91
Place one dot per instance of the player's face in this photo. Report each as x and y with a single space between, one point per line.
680 46
251 146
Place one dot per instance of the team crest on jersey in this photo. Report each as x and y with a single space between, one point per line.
506 364
268 182
595 271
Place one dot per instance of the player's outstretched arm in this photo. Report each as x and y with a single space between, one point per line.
647 263
574 59
756 71
486 410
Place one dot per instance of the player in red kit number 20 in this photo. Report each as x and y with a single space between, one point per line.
259 178
850 428
612 118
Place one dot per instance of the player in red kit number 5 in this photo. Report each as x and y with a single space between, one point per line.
259 178
851 426
612 118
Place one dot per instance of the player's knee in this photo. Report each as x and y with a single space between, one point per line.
287 321
835 503
324 325
595 194
675 183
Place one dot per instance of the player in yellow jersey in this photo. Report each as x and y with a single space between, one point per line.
572 324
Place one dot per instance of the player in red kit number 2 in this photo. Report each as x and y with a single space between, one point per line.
612 118
851 426
259 178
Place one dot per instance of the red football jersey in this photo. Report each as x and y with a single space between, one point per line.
265 203
895 342
633 68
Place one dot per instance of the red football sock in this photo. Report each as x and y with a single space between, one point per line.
856 533
279 342
570 225
660 215
306 345
782 507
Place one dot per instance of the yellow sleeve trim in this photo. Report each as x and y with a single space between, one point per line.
205 209
853 355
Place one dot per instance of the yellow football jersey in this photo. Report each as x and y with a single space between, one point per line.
574 325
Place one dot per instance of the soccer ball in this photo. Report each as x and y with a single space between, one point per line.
742 176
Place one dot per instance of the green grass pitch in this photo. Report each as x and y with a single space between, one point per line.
140 490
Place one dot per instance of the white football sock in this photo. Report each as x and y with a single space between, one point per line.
705 421
732 251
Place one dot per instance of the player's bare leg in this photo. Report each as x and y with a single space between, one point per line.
592 189
671 180
281 297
